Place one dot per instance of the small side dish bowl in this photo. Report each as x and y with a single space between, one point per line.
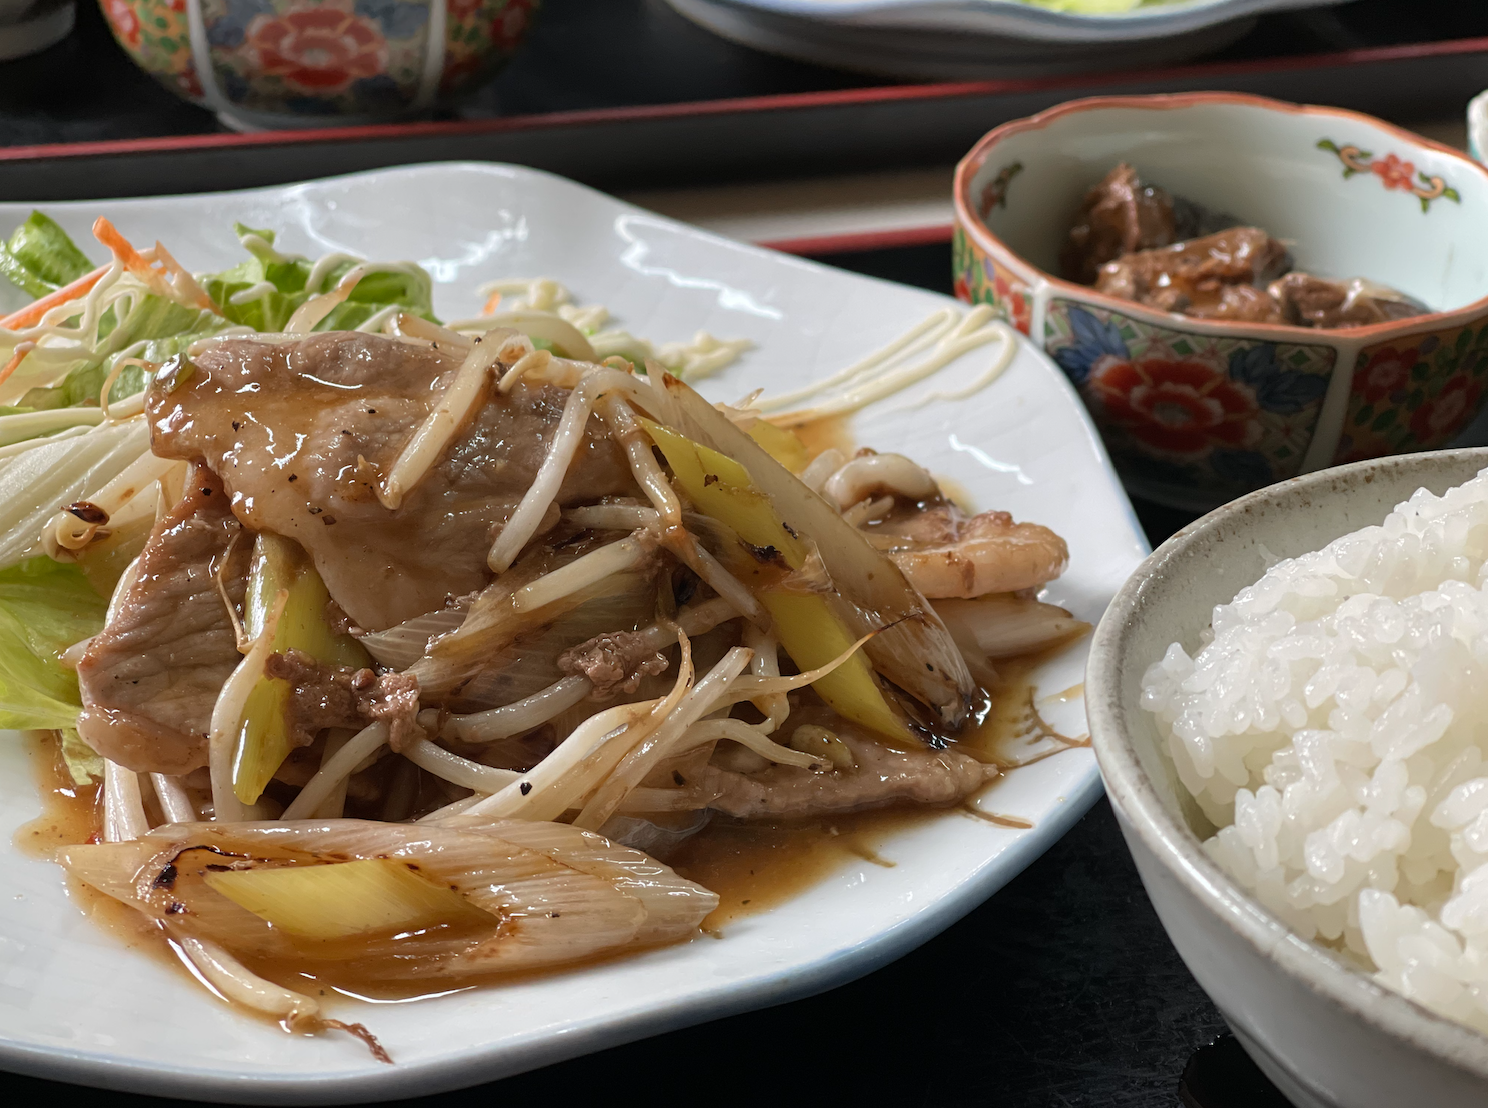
1328 1036
1195 412
262 64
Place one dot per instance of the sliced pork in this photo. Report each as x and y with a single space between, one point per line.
878 777
946 553
301 432
149 679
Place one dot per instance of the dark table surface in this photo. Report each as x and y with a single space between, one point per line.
602 54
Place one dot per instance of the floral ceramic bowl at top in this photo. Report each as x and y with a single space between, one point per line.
1196 412
303 63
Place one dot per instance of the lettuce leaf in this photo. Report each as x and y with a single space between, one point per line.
280 284
45 607
169 328
40 258
84 764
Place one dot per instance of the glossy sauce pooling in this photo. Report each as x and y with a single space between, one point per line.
71 814
752 866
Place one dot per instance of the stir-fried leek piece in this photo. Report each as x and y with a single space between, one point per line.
341 900
808 629
1002 625
546 896
911 648
782 444
279 565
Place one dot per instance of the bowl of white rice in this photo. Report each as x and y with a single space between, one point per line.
1289 703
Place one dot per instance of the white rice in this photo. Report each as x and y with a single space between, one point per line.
1334 726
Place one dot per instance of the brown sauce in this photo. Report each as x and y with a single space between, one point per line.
1012 731
826 433
758 865
753 866
73 814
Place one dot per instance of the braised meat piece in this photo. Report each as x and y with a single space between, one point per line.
1202 277
1119 216
1140 243
149 679
1310 301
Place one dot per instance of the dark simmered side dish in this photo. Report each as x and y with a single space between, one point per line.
1138 242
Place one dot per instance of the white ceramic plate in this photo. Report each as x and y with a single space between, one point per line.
1014 19
968 40
75 1005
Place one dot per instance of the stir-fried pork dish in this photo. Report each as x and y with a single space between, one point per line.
427 634
1140 243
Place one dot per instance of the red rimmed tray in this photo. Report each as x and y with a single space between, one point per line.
679 145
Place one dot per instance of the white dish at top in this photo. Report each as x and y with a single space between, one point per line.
77 1006
970 40
1014 19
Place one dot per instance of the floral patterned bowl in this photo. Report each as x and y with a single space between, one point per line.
1195 412
307 63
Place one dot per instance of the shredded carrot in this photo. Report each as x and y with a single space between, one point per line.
182 280
169 279
31 314
15 359
492 303
106 233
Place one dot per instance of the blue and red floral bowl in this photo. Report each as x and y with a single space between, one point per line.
308 63
1196 412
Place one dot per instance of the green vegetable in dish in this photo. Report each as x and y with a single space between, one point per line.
265 291
40 258
45 607
153 330
280 567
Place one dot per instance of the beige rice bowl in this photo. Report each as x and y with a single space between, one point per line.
1334 728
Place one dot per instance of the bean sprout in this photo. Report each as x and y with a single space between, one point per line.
460 771
363 745
174 802
572 427
123 806
433 436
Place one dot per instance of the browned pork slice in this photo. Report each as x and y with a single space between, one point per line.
878 776
149 679
301 432
946 553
